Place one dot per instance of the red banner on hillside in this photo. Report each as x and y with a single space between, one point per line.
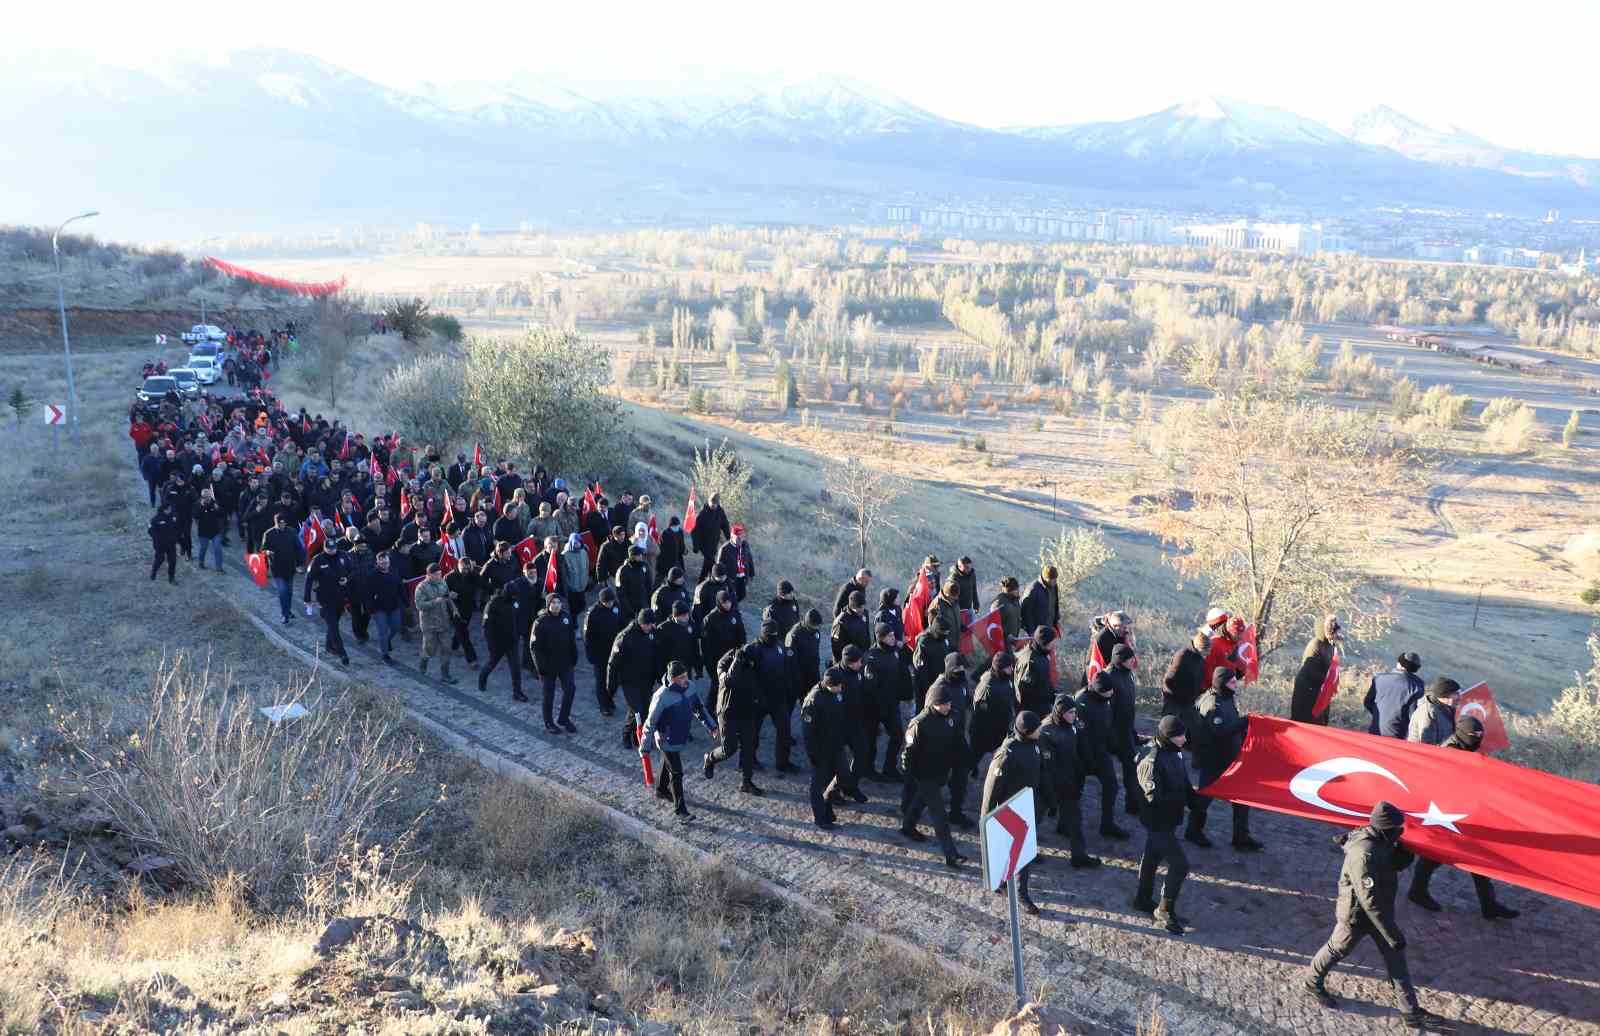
1463 808
312 288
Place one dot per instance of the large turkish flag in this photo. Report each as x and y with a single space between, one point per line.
1463 808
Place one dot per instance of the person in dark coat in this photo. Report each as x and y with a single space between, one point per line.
889 612
953 683
1066 765
927 661
632 668
994 705
1036 676
525 598
464 584
860 581
633 582
822 722
722 631
1015 766
666 726
1008 602
804 644
1105 633
500 569
678 639
710 529
554 643
933 750
613 554
783 611
1215 745
965 576
737 715
1314 664
737 561
500 625
477 540
1368 881
600 628
673 589
282 547
1183 684
886 682
163 529
848 783
705 596
1095 705
1392 695
1164 781
1121 671
672 549
773 675
1467 737
1041 606
386 598
850 626
327 580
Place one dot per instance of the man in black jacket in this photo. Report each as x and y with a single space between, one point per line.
500 635
822 728
670 592
994 705
965 576
804 644
677 637
601 625
163 530
525 595
927 661
612 556
555 655
1041 606
860 581
385 593
633 667
710 529
705 597
737 715
1392 695
957 691
633 581
1368 882
477 541
783 611
1123 664
326 577
850 626
500 569
721 632
1066 764
1015 766
464 584
1215 746
773 675
1468 737
1036 672
933 749
1164 780
1185 679
886 683
281 545
1095 709
737 561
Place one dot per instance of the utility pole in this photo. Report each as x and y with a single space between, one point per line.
61 307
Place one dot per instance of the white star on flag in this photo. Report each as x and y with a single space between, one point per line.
1433 816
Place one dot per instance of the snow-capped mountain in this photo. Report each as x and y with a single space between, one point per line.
259 137
1199 128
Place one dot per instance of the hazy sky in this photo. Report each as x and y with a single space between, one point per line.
1521 75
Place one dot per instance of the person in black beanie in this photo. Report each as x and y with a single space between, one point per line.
1373 860
1468 737
1164 780
1016 765
1433 719
1392 695
933 749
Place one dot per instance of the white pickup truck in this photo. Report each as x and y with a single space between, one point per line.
204 333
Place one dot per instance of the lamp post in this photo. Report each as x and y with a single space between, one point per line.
61 306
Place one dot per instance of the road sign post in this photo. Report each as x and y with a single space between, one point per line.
1010 842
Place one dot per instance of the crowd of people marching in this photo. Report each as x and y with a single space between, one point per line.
411 545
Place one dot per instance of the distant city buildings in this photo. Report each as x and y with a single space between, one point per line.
1125 227
1285 238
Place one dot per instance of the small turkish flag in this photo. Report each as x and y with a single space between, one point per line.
1248 655
477 456
552 572
258 568
989 631
691 512
915 615
1478 701
1330 687
526 551
447 557
1096 662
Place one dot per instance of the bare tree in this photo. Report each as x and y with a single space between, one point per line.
1278 516
337 328
866 500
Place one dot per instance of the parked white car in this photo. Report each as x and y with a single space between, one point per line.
204 333
205 369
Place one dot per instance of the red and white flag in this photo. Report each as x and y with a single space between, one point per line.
1330 687
1247 654
552 572
691 512
405 502
447 557
526 551
915 614
1097 661
477 456
989 631
654 534
1465 809
1478 701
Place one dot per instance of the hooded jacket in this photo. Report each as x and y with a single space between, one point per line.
635 658
1224 731
1432 721
1041 607
601 625
1066 757
1036 675
805 658
994 707
1185 679
1016 765
667 719
1164 780
1368 881
933 746
1315 661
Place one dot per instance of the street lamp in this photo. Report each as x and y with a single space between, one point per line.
61 306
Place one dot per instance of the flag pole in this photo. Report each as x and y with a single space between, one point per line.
1016 940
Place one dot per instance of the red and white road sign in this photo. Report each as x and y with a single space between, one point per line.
1010 839
54 414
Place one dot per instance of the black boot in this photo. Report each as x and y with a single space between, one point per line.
1319 992
1144 902
749 788
1420 897
1026 902
1496 911
1424 1020
708 766
1166 915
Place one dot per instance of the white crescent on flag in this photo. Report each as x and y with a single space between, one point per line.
1307 787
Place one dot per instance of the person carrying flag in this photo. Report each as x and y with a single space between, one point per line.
737 561
1315 664
666 726
1467 737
